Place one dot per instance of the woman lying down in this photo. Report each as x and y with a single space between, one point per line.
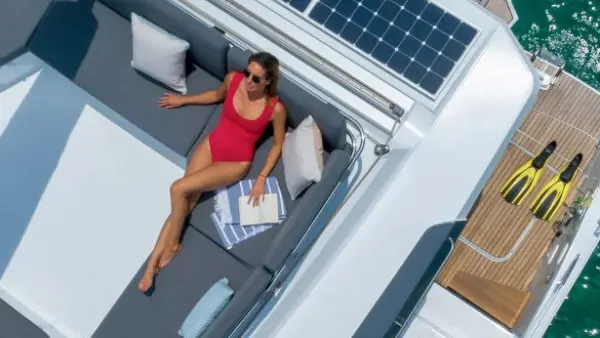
225 156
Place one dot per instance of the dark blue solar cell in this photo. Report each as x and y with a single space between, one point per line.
442 66
437 40
383 52
330 3
367 42
389 10
416 6
410 46
431 82
320 13
465 34
421 30
372 4
426 56
399 2
300 5
415 38
378 26
399 62
362 16
415 72
432 14
346 8
405 20
351 32
448 24
394 36
335 22
453 50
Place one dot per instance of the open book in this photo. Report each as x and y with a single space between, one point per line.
267 210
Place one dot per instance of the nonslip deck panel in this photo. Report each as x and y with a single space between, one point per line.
14 325
18 21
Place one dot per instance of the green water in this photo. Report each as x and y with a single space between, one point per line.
571 30
568 28
579 316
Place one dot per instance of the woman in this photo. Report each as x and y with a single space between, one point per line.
225 156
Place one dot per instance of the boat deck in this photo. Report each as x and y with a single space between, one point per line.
569 112
502 8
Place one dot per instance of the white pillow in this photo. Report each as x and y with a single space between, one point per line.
302 157
159 54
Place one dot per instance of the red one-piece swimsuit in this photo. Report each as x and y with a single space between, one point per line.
234 138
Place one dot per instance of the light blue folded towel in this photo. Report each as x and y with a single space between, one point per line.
226 216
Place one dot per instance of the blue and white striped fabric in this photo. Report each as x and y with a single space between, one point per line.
226 216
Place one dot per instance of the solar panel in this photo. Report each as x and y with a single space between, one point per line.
415 38
300 5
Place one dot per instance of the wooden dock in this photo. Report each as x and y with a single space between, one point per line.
569 112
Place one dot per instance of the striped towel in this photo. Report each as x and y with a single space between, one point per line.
226 216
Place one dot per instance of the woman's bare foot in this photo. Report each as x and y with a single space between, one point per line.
168 255
148 278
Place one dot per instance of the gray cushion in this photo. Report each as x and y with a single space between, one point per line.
305 211
178 288
252 250
281 239
101 65
14 325
18 20
208 46
64 36
300 104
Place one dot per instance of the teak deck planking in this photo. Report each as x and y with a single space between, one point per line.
500 8
495 225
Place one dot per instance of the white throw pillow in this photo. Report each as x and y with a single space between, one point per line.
302 157
159 54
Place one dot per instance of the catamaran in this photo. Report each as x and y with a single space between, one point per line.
426 108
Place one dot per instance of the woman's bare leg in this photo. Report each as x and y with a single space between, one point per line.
201 159
215 175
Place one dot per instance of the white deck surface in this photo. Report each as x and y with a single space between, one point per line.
417 186
83 200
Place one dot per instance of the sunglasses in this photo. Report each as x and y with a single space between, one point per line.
255 78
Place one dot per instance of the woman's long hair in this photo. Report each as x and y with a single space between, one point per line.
271 66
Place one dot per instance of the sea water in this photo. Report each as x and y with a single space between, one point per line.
567 28
571 30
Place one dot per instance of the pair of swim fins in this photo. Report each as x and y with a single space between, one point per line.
553 194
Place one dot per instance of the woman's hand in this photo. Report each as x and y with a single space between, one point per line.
168 100
258 191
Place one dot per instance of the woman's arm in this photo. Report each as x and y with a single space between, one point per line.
208 97
279 123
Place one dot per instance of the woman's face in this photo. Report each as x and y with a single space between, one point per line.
255 78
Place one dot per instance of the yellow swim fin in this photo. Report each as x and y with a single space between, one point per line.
524 179
554 193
